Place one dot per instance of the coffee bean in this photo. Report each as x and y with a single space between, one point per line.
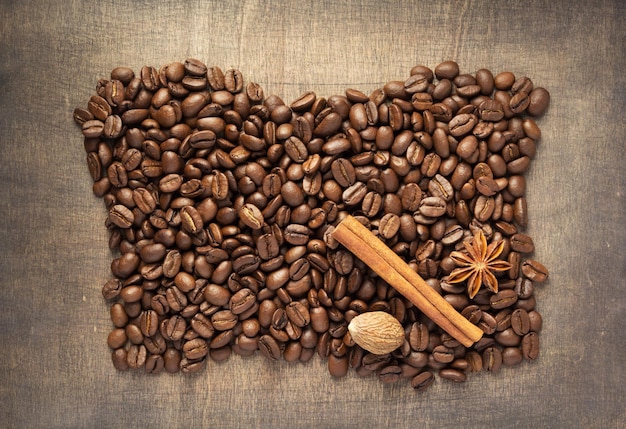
422 381
507 338
337 366
149 323
432 207
534 270
298 314
453 375
292 194
195 349
269 347
484 208
492 359
503 299
297 234
462 124
472 313
241 301
202 325
530 346
121 216
419 336
111 289
296 150
489 324
447 70
191 221
511 356
443 354
251 216
440 187
136 356
539 100
154 364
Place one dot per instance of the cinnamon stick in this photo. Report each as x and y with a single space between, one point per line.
391 268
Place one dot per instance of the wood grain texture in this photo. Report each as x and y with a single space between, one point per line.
55 369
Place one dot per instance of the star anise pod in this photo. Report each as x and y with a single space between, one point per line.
477 264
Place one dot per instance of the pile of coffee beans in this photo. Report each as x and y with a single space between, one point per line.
221 202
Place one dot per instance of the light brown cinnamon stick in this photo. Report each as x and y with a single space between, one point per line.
391 268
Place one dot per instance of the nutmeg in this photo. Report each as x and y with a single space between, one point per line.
377 332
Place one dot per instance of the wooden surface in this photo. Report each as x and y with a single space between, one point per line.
55 369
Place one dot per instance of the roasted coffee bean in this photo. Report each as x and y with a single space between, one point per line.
111 289
539 99
530 346
297 234
298 314
520 211
136 356
507 338
422 381
511 356
343 172
488 323
534 270
191 221
472 313
354 194
149 323
487 186
176 299
132 293
492 359
154 364
503 299
536 321
241 301
337 366
251 216
443 354
173 328
117 338
389 225
462 124
452 374
419 336
202 325
390 374
224 320
269 347
524 288
190 366
267 246
520 321
296 149
432 207
152 252
171 360
195 349
121 216
484 208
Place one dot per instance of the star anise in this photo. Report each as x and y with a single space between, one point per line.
477 264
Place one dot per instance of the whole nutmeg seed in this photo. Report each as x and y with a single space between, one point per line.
377 332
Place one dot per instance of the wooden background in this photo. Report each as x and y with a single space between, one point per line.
55 369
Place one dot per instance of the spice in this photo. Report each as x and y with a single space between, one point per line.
377 332
391 268
478 263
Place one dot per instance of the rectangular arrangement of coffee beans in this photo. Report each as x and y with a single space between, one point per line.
222 205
